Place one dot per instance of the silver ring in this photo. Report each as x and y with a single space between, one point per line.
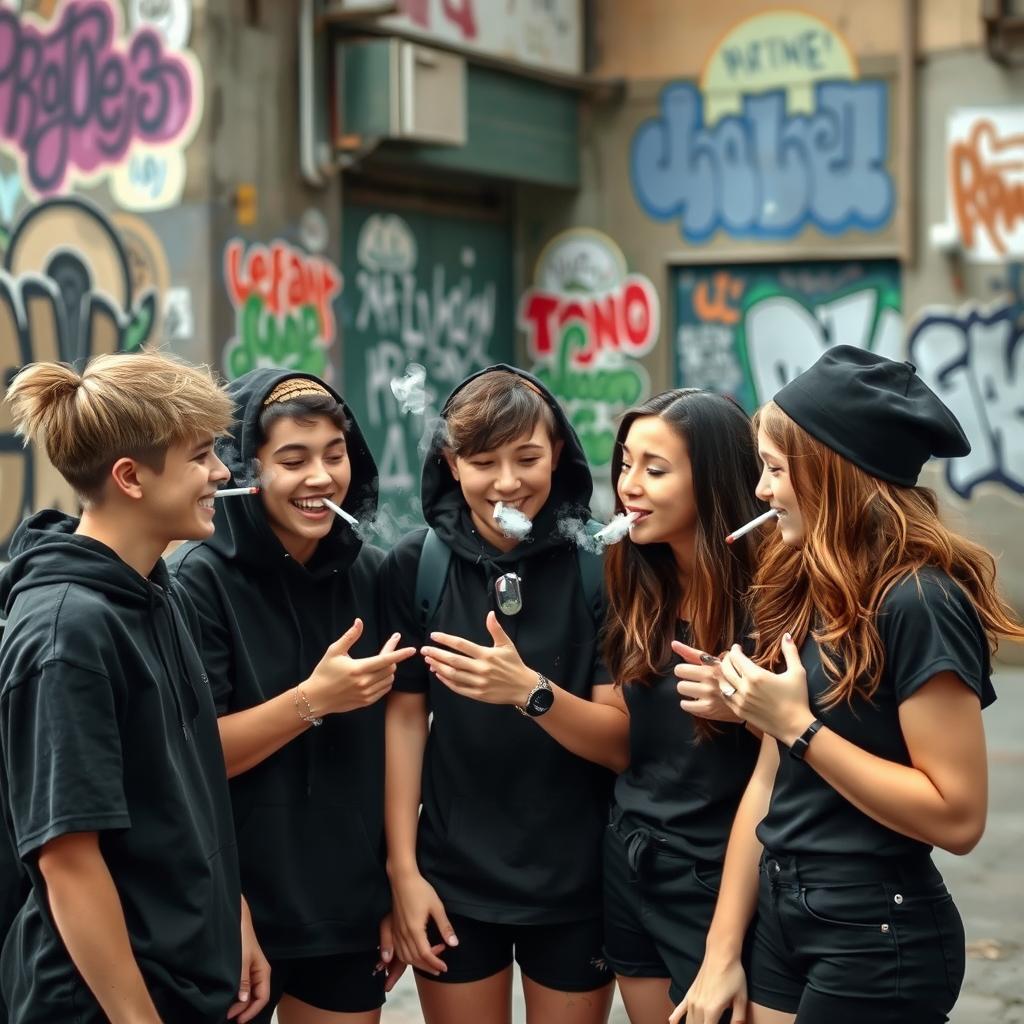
727 690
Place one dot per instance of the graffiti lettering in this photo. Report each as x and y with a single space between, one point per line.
284 301
777 322
973 360
763 173
804 52
75 99
590 397
985 199
624 319
58 302
459 13
445 327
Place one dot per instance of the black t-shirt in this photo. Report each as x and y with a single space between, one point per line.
684 788
108 726
511 825
927 625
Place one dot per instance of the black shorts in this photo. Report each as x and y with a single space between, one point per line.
657 907
342 983
845 940
566 957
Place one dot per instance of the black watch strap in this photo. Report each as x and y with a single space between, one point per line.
800 745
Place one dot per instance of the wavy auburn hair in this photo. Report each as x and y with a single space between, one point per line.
861 536
644 587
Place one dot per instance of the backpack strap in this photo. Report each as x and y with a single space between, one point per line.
431 576
592 577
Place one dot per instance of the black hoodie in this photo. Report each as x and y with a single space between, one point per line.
310 817
107 726
511 824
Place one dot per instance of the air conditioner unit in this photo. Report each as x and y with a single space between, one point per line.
396 89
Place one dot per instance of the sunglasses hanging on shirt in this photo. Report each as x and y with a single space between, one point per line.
509 594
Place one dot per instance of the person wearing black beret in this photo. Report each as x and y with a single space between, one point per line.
875 625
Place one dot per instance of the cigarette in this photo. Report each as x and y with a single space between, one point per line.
339 511
232 492
752 525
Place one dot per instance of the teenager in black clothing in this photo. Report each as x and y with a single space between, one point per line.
113 779
504 859
875 624
301 721
685 463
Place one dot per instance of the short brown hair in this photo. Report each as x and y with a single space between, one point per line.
493 409
134 405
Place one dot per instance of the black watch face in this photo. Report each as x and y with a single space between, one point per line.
540 701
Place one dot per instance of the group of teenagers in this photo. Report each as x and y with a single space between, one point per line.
278 767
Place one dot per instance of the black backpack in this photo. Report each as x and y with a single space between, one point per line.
436 556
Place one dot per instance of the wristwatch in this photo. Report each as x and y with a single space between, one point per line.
540 700
801 743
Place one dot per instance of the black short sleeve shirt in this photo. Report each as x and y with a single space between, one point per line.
927 625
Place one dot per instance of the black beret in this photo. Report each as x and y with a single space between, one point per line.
873 411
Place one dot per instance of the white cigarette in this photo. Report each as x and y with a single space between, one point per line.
232 492
339 511
752 525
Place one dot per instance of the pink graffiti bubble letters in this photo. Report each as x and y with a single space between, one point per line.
74 97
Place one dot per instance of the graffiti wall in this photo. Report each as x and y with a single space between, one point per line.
746 330
779 138
972 357
587 321
283 299
985 157
71 287
423 289
85 99
98 101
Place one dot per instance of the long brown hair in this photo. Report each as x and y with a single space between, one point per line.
861 536
643 581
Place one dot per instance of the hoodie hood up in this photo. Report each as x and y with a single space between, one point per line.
242 529
445 509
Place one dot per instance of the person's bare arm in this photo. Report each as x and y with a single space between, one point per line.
596 729
721 983
414 900
87 911
338 684
940 798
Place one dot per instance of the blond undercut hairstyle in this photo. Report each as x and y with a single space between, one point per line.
130 405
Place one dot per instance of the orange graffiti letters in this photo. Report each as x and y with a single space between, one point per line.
985 199
718 310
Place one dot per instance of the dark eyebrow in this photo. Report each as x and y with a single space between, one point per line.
530 444
302 448
647 455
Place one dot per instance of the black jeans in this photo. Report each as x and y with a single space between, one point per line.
840 940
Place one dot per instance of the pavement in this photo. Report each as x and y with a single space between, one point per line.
988 885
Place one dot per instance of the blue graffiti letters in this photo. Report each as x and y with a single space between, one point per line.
973 360
765 173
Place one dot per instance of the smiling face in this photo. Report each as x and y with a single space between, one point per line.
179 497
304 461
518 474
776 488
656 480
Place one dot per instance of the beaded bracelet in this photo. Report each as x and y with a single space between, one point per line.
307 715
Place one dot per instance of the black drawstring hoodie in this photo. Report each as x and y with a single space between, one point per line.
511 824
310 817
107 725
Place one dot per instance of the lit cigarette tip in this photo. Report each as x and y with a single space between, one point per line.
752 525
231 492
339 511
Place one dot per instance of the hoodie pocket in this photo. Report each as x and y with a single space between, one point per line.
304 864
